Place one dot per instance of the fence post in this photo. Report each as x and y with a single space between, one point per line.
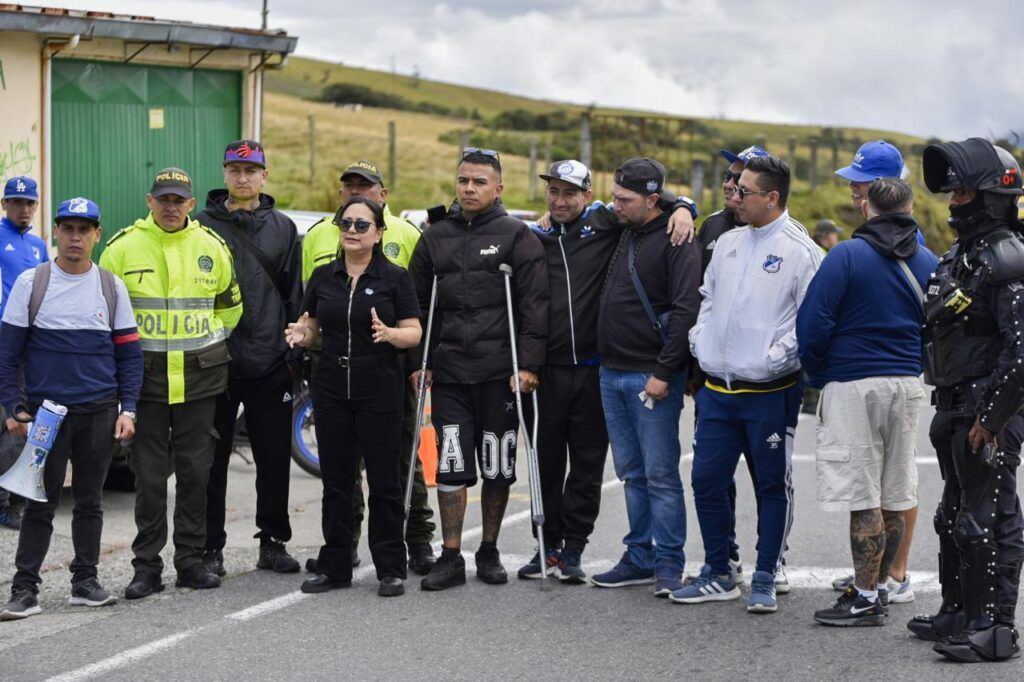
813 171
791 154
586 142
392 155
533 168
463 142
697 181
312 149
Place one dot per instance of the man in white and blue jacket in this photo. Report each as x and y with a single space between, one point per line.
745 342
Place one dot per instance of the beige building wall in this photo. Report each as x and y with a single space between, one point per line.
21 108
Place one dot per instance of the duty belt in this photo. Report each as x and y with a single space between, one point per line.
953 399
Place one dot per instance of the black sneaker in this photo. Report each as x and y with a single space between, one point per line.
143 584
213 559
448 571
23 604
421 558
10 518
274 557
488 566
852 610
391 587
323 583
569 569
197 577
532 570
90 593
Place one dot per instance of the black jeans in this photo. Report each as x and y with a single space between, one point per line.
268 419
87 439
571 434
171 438
345 431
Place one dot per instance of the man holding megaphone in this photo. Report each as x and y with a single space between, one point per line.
69 325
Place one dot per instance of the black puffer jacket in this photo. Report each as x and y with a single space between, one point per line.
470 341
257 344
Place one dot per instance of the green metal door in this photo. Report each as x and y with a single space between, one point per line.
115 125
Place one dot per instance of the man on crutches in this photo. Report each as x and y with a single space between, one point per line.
469 368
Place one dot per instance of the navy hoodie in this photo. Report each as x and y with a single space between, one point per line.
861 317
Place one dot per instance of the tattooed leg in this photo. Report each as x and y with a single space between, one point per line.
867 540
493 500
452 510
895 525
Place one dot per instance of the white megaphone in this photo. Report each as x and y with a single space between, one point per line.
25 478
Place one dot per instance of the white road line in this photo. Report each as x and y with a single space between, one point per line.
122 659
921 461
268 606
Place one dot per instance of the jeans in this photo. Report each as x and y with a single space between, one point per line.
87 440
645 451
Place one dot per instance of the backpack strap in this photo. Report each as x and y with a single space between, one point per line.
39 285
913 280
109 288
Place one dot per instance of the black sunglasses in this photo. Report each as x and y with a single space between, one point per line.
361 224
476 150
729 175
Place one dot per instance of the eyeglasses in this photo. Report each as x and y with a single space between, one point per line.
744 193
730 176
476 150
361 225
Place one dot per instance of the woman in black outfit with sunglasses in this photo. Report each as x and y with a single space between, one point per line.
363 308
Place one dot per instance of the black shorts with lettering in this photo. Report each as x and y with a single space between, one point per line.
480 418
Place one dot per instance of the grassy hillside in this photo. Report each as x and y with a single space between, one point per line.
427 144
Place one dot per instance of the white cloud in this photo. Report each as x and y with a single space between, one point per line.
931 68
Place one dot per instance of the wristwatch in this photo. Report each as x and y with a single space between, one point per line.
128 413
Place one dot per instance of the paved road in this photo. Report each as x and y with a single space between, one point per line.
259 626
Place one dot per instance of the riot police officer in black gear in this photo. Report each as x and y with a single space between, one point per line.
974 358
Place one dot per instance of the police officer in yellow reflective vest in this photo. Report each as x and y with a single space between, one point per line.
319 247
181 280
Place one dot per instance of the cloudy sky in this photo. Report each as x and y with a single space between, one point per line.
944 68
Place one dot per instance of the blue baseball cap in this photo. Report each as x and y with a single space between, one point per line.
745 155
875 159
79 207
21 187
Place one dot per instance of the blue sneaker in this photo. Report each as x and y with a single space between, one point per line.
762 593
623 574
532 569
569 569
666 583
707 587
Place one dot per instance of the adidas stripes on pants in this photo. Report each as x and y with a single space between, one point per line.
762 425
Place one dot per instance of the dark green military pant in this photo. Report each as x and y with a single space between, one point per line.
176 439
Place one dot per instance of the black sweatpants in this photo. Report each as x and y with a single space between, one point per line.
571 434
347 429
87 440
268 419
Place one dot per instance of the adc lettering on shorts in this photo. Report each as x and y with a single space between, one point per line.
450 458
496 457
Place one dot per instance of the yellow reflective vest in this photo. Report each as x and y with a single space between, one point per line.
320 245
186 302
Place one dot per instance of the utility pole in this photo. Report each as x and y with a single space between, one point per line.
266 11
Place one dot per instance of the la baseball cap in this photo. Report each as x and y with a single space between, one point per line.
571 171
79 207
172 181
21 187
642 175
744 156
245 151
364 169
875 159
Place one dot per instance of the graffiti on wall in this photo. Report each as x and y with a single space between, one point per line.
16 158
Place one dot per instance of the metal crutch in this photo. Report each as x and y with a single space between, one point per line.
536 502
421 394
